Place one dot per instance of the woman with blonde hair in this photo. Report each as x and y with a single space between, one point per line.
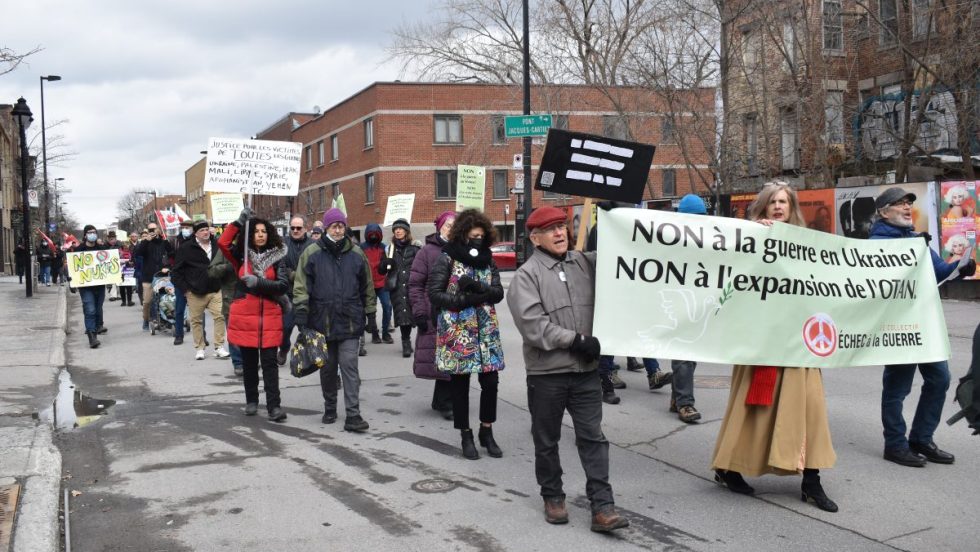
956 246
776 419
959 207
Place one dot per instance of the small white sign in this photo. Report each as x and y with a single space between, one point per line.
225 207
519 181
262 167
518 161
399 206
33 199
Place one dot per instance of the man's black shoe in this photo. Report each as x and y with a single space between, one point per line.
251 409
609 397
179 340
329 418
355 424
101 330
905 457
932 453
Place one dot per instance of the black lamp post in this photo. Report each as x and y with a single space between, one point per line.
44 155
22 114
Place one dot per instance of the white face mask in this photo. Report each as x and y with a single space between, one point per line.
91 237
185 232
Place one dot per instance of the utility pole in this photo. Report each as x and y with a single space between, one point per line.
522 245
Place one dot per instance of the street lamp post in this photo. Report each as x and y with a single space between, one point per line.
522 246
44 155
22 114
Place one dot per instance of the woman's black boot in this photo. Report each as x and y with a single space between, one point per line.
733 480
469 447
487 441
813 490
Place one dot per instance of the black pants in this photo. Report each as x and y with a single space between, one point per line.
126 294
406 332
461 399
548 397
270 375
442 396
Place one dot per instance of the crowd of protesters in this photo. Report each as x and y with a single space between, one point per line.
258 288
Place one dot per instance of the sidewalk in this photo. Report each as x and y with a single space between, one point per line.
32 351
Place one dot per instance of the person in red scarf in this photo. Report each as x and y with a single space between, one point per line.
776 420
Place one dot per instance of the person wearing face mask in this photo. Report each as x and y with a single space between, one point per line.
424 364
334 294
894 214
464 285
184 235
156 253
93 297
374 249
397 268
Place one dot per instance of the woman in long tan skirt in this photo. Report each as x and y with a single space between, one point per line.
776 420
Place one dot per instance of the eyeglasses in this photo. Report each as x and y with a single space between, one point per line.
294 228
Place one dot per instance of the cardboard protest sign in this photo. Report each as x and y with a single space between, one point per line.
722 290
471 187
225 207
94 268
399 206
593 166
262 167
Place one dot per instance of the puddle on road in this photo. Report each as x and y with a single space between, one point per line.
71 408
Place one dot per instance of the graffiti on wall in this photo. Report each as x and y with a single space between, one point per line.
880 124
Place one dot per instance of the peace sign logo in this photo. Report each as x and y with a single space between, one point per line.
102 256
820 335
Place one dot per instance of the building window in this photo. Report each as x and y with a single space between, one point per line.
322 157
499 129
309 158
334 147
448 129
323 197
751 49
670 182
752 143
500 185
790 45
369 188
834 116
888 15
923 20
790 146
445 184
335 190
667 134
833 25
309 202
559 121
615 126
368 133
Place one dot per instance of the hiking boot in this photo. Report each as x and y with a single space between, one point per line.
659 379
179 340
277 415
356 424
375 338
328 418
617 382
608 519
688 414
93 341
609 397
281 357
101 330
555 511
386 337
633 365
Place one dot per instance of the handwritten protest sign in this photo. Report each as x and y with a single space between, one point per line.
471 187
723 290
94 268
225 207
262 167
399 206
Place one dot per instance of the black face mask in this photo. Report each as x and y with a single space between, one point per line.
373 238
475 243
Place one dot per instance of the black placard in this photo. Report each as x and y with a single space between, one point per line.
593 166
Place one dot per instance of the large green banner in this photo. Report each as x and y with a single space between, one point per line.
722 290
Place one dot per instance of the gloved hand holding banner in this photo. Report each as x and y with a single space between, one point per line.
730 291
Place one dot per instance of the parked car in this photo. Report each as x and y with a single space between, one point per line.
504 256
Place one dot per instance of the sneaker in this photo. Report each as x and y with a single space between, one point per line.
239 371
688 414
328 418
617 382
199 355
179 340
386 338
660 379
220 352
277 415
251 409
146 325
609 397
356 424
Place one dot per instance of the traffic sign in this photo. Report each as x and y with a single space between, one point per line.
32 198
527 125
51 226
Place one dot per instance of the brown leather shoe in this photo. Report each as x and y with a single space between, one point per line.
555 511
608 519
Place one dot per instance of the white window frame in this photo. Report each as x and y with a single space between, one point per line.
448 124
834 117
334 147
368 133
833 25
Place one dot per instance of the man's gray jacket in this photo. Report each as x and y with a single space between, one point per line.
551 301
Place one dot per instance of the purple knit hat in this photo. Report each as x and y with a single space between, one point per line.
332 216
441 219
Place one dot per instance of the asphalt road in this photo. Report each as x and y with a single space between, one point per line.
175 465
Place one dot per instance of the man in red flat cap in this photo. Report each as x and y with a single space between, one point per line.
552 299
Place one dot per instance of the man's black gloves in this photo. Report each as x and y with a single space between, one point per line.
587 346
422 323
467 284
926 236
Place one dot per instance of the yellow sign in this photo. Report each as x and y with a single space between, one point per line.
94 268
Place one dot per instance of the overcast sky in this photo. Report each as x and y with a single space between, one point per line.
146 83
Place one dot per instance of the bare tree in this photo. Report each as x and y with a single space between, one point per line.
130 206
10 60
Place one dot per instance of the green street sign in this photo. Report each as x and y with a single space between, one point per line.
521 126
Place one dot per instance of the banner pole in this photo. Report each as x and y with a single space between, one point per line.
245 265
586 212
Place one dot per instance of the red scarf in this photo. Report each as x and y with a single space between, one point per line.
762 387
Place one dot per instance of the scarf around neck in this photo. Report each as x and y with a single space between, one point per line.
461 252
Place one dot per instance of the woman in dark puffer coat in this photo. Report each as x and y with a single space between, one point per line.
255 316
425 340
401 254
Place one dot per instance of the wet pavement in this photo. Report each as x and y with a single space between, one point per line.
175 465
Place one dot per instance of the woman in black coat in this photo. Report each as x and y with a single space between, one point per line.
398 268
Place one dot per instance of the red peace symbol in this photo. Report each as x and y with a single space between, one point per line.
820 335
102 256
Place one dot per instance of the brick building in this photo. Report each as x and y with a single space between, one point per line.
824 89
393 138
10 187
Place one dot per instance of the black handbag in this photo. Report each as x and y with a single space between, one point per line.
308 354
391 278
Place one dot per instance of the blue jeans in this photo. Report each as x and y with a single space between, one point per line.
236 355
652 366
287 329
896 385
45 276
385 297
92 299
180 311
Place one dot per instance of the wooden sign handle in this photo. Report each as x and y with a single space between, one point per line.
582 234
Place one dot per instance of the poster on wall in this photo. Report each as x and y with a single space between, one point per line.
856 209
959 222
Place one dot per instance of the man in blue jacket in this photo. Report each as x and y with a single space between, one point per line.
894 211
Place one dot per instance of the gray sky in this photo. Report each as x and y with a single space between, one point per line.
145 84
